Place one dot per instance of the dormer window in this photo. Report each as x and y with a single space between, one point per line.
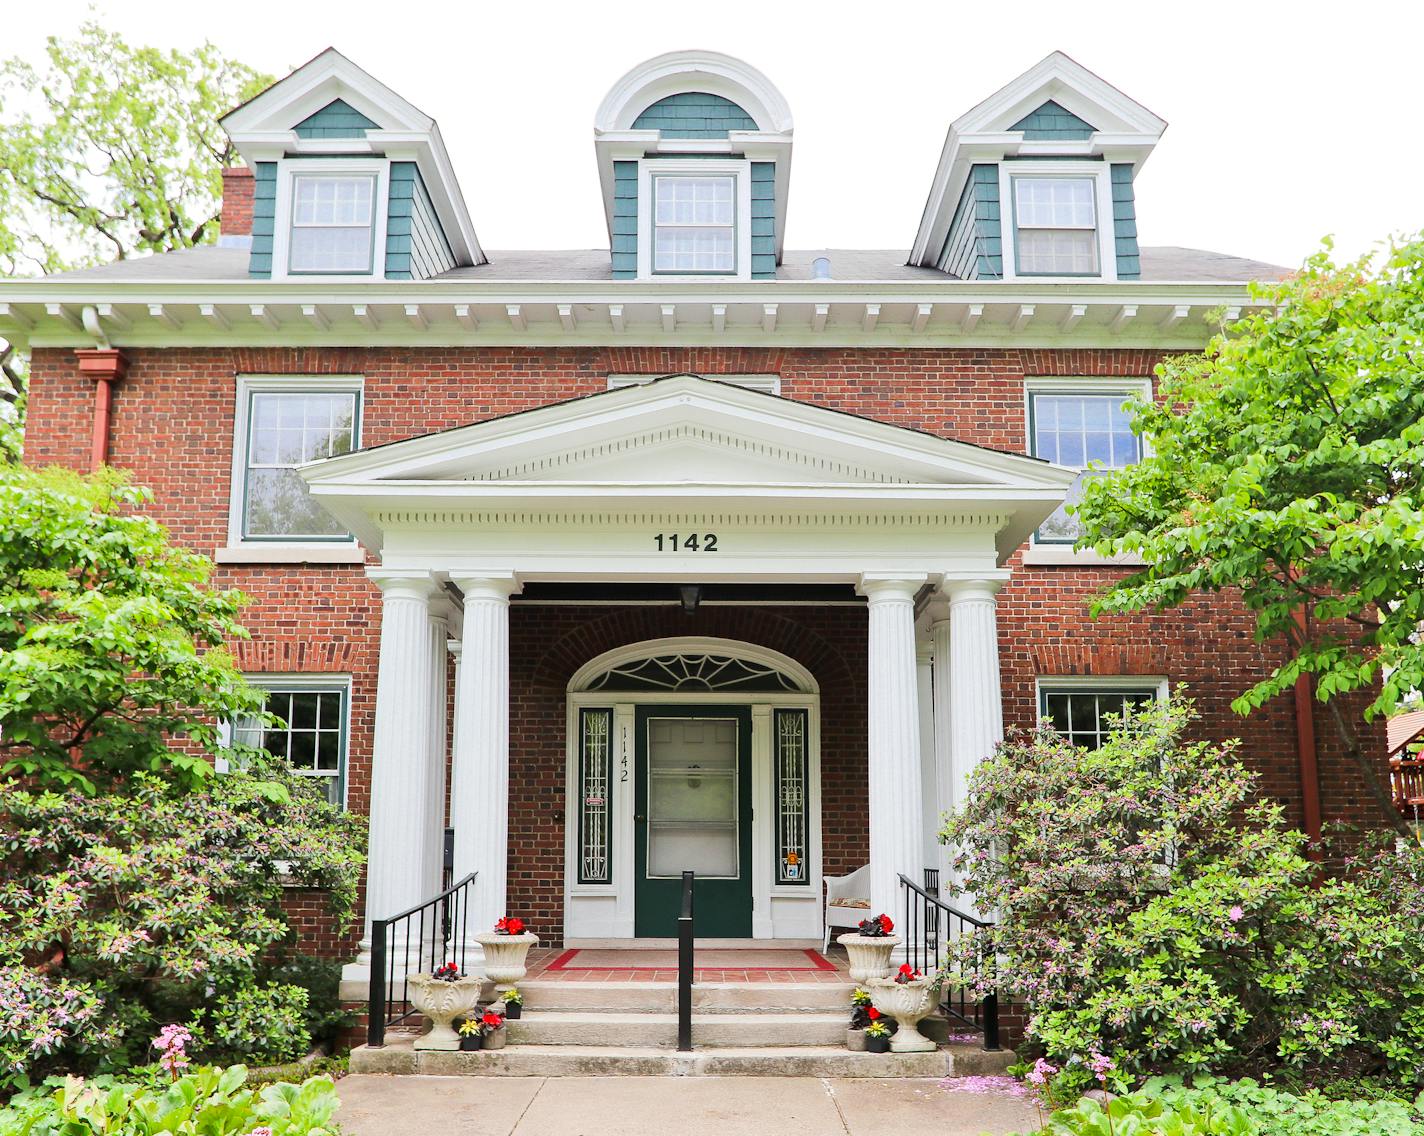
694 224
333 223
1057 226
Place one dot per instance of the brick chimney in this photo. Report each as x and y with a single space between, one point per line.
237 192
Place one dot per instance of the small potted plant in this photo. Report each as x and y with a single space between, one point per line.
506 949
492 1029
877 1037
909 997
471 1035
443 995
869 948
514 1003
860 1017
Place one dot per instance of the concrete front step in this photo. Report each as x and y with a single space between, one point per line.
659 1031
707 997
601 1061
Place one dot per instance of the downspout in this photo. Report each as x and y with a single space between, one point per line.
106 366
1306 754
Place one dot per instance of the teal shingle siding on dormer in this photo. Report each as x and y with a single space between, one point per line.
416 247
694 114
973 248
337 119
1053 121
264 217
1129 266
625 220
763 220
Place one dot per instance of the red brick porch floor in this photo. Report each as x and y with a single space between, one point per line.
798 966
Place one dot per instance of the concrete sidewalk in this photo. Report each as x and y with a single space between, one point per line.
377 1105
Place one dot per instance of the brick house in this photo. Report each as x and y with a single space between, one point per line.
691 552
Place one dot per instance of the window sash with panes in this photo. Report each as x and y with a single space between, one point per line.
1076 429
333 227
311 737
1080 716
285 429
1057 226
694 224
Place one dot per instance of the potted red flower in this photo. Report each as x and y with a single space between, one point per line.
492 1030
506 949
443 995
869 948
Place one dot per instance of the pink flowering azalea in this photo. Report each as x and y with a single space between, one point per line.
1236 914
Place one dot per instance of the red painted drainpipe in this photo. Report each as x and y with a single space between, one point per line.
1306 753
106 366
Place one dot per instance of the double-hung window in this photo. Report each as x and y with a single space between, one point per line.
311 736
283 423
1056 226
695 224
1080 713
333 224
1080 428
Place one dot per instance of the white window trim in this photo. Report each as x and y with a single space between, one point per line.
1096 684
272 680
1061 554
1100 172
737 168
287 169
770 384
240 550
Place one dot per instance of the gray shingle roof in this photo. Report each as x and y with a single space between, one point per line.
228 265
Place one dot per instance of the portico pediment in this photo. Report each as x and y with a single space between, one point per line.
684 443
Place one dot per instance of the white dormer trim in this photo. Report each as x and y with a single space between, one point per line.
1126 131
1101 173
741 173
377 168
678 72
264 130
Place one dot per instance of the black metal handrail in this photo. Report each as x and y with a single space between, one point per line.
684 967
930 926
415 942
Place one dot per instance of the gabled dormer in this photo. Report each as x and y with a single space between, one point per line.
694 158
1035 183
351 181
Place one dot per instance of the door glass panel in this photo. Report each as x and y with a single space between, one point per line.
692 797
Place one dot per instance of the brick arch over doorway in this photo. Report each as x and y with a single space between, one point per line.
549 643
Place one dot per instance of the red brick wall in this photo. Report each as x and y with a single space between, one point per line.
238 193
172 426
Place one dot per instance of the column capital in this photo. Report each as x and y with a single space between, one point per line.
456 648
984 587
891 587
400 583
486 585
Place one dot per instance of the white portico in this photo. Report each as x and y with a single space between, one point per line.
681 480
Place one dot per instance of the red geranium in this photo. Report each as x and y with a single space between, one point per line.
885 924
510 925
873 1014
492 1021
449 972
907 973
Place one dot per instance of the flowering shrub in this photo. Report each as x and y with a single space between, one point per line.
265 1022
876 928
1148 913
117 911
204 1101
509 925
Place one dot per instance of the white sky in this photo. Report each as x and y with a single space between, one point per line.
1288 121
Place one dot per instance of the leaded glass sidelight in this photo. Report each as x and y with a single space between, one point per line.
793 807
595 804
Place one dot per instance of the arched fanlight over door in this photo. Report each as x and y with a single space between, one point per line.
693 672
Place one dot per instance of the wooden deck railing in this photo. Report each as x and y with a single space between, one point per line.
1406 775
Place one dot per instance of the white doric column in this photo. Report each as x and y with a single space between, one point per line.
929 778
401 763
479 766
896 817
975 697
441 610
945 802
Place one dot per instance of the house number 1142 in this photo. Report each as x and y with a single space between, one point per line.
690 542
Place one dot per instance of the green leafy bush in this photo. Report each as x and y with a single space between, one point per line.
207 1101
266 1023
321 978
1151 913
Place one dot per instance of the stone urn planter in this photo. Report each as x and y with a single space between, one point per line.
505 955
442 1002
869 955
908 1003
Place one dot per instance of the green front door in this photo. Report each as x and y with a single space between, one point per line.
693 810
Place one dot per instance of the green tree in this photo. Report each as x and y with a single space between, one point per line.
1288 466
109 150
112 655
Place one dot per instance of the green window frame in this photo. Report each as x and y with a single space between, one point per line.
312 736
791 761
595 800
283 429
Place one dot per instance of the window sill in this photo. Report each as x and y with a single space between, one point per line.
290 554
1047 556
